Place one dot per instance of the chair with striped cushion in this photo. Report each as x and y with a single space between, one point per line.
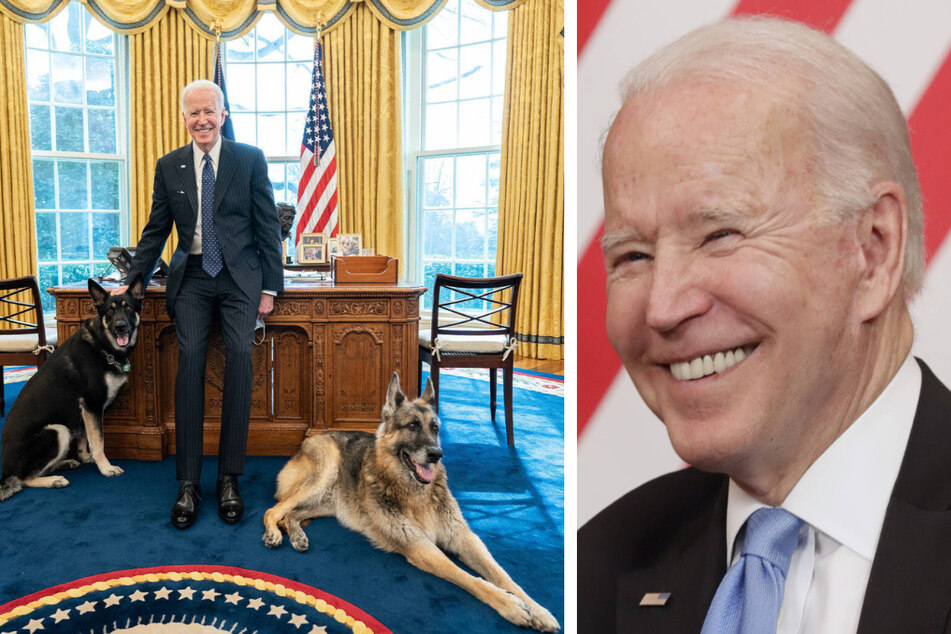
23 339
473 326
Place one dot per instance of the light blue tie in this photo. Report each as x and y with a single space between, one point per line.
210 247
751 593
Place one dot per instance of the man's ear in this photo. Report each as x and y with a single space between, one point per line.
882 233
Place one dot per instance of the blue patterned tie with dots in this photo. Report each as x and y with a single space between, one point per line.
210 247
751 592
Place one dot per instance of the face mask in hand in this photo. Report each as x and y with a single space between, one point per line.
259 325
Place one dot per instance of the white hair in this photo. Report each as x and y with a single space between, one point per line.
204 83
859 131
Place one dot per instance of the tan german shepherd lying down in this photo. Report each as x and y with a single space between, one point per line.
391 487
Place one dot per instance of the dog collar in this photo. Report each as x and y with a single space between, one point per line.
121 367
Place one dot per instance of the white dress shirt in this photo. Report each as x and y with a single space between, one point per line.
842 499
199 156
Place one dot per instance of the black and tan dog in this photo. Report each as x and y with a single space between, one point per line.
60 408
392 488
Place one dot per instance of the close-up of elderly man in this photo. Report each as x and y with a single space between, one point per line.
763 238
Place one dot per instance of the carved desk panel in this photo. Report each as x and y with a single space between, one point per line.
325 363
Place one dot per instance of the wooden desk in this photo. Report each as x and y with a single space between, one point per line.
326 361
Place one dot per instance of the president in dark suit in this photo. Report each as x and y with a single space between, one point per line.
227 264
763 237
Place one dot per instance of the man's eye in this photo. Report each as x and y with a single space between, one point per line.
722 233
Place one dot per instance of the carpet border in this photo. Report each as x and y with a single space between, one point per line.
342 611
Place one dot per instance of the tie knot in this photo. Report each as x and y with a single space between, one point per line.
206 157
772 534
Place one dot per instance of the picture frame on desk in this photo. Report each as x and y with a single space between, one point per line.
313 248
349 244
333 248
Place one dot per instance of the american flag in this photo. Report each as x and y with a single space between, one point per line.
317 192
620 443
227 130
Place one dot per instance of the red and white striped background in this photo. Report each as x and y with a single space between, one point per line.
620 443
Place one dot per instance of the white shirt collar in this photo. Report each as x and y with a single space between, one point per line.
845 492
199 154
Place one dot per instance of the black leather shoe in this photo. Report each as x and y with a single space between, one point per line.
185 509
230 506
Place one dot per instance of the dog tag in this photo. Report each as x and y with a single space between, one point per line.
126 367
658 599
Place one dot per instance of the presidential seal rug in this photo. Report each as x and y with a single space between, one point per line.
185 600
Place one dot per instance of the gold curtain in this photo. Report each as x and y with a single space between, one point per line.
532 182
17 230
163 60
362 67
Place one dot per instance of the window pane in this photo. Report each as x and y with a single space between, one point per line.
300 47
492 237
441 126
430 269
298 86
293 180
100 86
105 184
102 131
40 138
437 182
441 70
98 38
270 43
443 30
240 87
240 50
43 191
474 119
245 128
497 111
38 75
437 233
67 29
74 235
475 71
75 273
36 35
476 24
69 129
271 134
46 237
493 197
498 67
72 185
295 133
67 78
501 20
49 276
270 87
105 233
470 234
470 269
275 172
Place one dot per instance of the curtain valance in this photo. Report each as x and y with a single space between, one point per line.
234 18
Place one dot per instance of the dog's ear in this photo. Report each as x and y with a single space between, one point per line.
429 392
98 293
137 287
394 395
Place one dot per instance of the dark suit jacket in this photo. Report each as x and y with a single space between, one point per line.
245 218
670 536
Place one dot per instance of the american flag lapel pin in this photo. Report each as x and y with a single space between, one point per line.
655 599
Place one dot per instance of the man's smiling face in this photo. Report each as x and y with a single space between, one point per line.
728 302
203 116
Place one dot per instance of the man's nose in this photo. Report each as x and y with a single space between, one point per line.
677 292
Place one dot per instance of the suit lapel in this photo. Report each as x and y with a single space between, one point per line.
185 164
226 164
691 573
909 589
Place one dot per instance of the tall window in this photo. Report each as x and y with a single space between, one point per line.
79 149
455 78
267 75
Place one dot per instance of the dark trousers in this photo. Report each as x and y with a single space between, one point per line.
199 300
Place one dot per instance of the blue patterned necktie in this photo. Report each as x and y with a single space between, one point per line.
210 247
751 593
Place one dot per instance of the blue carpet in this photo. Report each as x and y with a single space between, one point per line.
512 497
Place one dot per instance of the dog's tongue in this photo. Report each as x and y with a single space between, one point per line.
425 472
122 340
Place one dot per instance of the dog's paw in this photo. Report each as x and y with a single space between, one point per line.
68 464
514 610
300 542
272 538
111 470
542 619
58 482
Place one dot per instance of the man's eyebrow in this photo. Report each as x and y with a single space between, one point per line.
723 213
609 240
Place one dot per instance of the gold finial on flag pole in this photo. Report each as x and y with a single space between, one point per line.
217 25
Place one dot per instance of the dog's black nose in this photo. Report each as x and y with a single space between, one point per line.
433 454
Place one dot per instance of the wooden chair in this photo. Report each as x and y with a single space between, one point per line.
473 326
23 338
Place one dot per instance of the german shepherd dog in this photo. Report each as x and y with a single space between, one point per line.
61 406
392 488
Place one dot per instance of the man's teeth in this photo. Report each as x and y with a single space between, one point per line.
709 364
